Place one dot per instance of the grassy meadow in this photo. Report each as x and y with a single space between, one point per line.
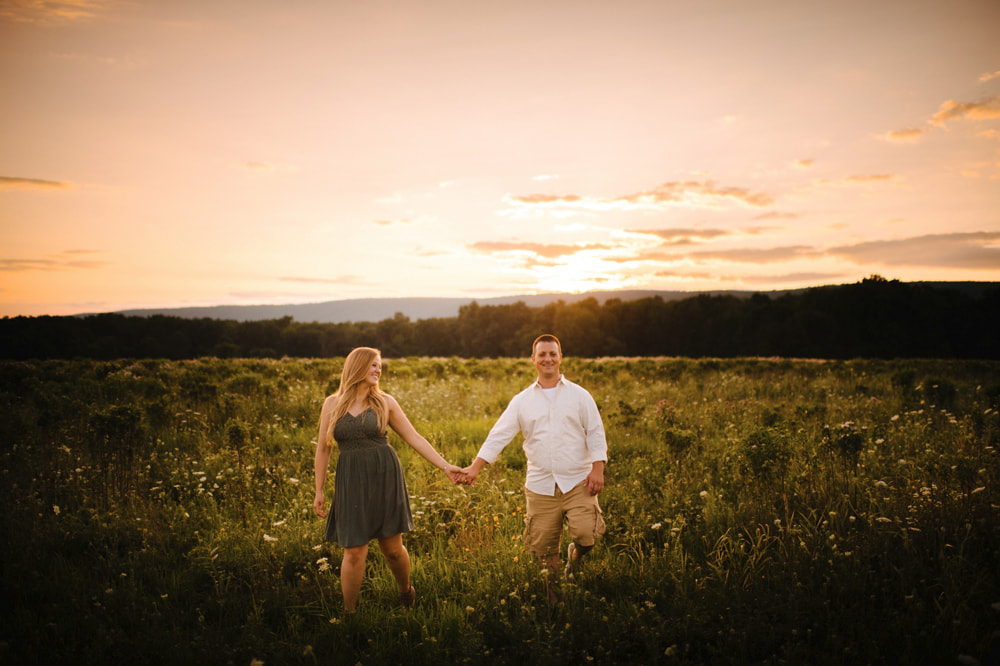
759 511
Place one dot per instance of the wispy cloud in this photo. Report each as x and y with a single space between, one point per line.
10 183
546 250
681 236
389 223
758 255
861 180
989 76
973 250
67 260
46 11
952 110
128 62
339 279
699 194
546 198
794 278
773 215
689 194
804 164
906 135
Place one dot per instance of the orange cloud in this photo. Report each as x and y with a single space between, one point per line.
546 198
809 278
60 263
757 256
908 135
972 250
8 183
697 193
868 179
340 279
681 234
549 251
34 11
952 110
989 76
694 194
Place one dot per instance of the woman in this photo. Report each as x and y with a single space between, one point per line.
370 500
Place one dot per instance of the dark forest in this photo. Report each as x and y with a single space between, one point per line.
874 318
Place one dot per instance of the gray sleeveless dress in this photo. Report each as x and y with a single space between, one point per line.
369 496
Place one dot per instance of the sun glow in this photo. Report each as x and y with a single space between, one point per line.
578 274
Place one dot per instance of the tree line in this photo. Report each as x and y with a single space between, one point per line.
874 318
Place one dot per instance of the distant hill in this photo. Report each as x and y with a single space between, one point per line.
378 309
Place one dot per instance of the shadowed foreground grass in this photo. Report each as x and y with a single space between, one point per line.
758 511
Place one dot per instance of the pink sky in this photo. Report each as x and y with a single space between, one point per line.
162 153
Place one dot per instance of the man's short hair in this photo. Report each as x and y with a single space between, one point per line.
546 337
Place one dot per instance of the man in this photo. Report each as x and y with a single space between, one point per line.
566 449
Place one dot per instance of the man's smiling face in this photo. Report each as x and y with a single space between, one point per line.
546 358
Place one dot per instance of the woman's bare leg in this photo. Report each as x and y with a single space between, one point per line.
398 559
352 572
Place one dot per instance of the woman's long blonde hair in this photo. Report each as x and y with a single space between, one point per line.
352 384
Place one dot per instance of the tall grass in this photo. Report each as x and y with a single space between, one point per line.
758 511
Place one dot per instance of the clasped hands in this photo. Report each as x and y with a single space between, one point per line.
461 475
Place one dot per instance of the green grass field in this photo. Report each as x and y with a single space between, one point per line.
758 512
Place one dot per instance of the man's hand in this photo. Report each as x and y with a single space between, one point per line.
595 480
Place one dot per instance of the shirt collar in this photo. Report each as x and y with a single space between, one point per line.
562 378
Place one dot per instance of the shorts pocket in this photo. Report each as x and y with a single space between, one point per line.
526 536
599 525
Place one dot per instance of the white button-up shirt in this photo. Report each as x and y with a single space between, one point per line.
563 437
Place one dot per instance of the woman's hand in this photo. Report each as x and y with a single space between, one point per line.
319 503
455 473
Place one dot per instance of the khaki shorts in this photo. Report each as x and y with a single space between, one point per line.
543 522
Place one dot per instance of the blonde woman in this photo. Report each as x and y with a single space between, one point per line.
370 499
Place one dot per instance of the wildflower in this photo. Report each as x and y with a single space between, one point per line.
657 526
292 480
278 524
703 493
880 484
883 519
895 417
470 609
55 509
269 538
977 490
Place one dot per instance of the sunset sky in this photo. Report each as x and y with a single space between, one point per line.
171 153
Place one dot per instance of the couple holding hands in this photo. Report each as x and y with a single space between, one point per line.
563 439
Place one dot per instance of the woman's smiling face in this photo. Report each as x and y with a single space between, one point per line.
374 371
